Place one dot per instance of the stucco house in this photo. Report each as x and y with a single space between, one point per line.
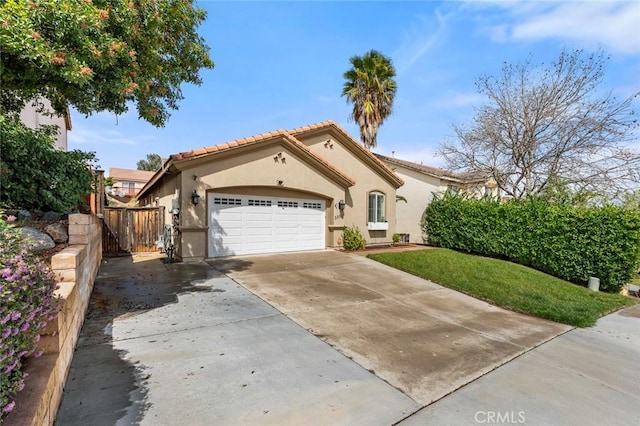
420 183
286 190
128 182
40 113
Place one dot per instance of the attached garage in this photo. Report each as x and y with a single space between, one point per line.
282 191
246 224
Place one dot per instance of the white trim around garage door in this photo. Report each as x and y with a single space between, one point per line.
247 224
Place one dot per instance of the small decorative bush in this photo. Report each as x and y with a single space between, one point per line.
395 238
26 305
352 239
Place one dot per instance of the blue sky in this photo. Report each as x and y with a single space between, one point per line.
279 65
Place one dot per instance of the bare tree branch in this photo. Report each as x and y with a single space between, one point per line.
542 124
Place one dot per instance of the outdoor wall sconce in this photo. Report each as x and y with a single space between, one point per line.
195 198
341 205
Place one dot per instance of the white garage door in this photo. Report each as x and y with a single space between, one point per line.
245 224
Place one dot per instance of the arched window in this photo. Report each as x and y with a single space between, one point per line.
376 207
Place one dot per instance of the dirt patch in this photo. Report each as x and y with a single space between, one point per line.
387 248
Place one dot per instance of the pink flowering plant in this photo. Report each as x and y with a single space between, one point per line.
26 305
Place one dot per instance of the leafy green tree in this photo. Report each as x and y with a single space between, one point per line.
371 88
108 181
34 175
547 124
100 55
151 164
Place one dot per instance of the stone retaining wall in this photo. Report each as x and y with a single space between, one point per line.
76 268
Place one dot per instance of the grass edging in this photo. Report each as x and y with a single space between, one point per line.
508 285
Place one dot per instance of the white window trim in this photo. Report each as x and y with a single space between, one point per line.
379 223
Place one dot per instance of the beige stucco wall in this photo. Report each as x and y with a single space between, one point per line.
418 190
329 147
34 119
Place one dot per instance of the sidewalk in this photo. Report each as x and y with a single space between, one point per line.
588 376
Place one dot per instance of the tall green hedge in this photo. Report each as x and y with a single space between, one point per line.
569 242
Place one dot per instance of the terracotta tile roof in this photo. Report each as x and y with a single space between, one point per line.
428 170
129 175
289 136
255 140
228 145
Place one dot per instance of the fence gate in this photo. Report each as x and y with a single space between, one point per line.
131 230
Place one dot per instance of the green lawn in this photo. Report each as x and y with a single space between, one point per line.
507 284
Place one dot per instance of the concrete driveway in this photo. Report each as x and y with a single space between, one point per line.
320 338
422 338
183 344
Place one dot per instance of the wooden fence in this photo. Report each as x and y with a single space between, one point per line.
131 230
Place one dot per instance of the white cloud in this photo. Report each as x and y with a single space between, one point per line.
419 40
611 25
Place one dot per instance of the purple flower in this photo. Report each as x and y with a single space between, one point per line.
11 218
6 333
11 367
24 326
16 315
10 406
5 319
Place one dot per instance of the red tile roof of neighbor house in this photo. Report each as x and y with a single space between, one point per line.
465 177
130 175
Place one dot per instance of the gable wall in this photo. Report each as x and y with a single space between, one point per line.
332 149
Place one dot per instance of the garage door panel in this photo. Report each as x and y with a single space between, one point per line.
259 232
258 216
251 225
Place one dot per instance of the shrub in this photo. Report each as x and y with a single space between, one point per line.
26 305
352 239
395 238
569 242
34 175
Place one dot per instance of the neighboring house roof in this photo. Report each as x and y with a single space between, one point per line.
130 175
467 177
289 138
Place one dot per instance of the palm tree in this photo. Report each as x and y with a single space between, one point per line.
371 87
